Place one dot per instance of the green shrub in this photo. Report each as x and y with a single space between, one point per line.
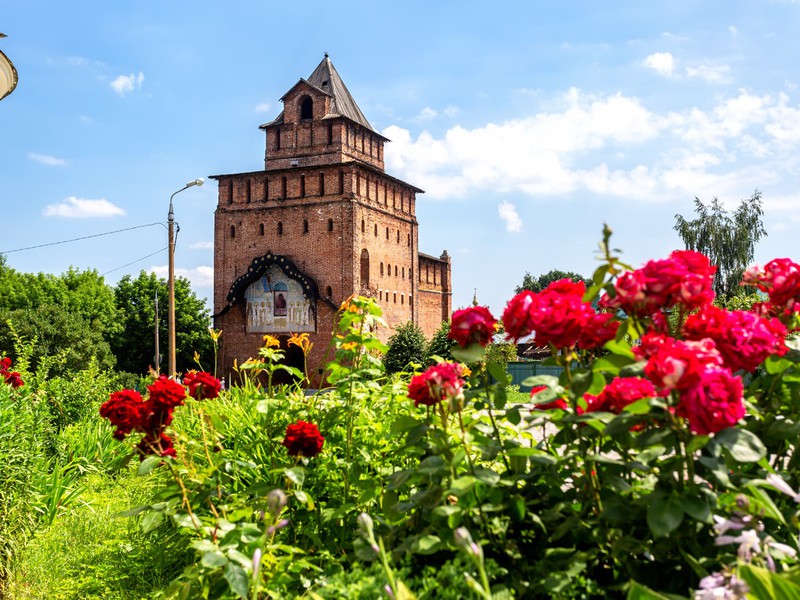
406 346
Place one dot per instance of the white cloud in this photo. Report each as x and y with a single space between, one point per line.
710 73
263 107
451 110
202 246
45 159
508 213
201 277
661 62
83 208
426 114
610 146
125 84
733 30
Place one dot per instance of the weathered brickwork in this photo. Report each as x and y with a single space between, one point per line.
324 202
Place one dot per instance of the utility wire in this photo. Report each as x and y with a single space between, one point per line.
134 262
86 237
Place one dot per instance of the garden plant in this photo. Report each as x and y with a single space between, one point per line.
661 463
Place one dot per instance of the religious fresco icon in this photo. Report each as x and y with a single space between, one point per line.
275 303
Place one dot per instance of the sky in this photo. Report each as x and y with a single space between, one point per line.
529 124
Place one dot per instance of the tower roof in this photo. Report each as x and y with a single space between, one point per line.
326 79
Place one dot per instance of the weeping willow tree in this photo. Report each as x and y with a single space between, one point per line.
728 238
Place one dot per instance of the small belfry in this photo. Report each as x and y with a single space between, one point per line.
321 222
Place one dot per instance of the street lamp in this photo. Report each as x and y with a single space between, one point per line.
171 277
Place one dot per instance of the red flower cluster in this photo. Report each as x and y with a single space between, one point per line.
685 278
710 396
129 412
472 325
780 279
440 382
618 394
558 315
11 378
303 439
743 338
202 385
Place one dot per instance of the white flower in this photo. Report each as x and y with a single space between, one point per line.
777 482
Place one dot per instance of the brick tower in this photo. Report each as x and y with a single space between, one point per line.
321 222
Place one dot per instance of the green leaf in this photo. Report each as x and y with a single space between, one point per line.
776 364
743 445
550 381
426 544
497 371
152 520
214 559
664 514
297 475
766 585
612 363
637 591
462 485
148 464
696 507
471 354
620 348
763 503
237 580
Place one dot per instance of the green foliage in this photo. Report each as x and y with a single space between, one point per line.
134 344
68 318
537 284
406 346
440 345
501 353
729 240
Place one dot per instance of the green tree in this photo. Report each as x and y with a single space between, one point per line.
440 345
728 239
70 317
407 345
134 345
537 284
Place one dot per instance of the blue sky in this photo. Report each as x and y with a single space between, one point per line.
529 124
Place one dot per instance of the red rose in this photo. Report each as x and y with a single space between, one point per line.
303 439
780 278
154 417
623 391
160 444
123 410
743 338
599 329
559 314
440 382
673 364
472 325
202 385
166 393
516 317
5 365
13 379
714 403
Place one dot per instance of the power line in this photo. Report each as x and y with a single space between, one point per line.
86 237
133 262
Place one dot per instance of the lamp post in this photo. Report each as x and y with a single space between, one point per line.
171 277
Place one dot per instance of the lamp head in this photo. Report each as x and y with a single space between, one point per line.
198 182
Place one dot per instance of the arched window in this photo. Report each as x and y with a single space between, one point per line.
261 229
363 226
280 228
376 230
233 231
381 269
306 109
387 234
330 224
364 268
302 186
305 225
329 291
322 184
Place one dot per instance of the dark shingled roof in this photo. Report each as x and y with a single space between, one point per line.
326 79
